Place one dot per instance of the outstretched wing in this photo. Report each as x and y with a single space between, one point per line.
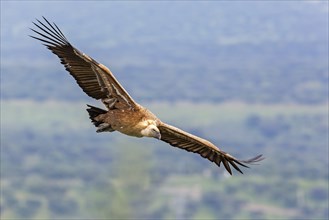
95 79
192 143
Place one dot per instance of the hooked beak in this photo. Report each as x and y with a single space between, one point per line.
158 136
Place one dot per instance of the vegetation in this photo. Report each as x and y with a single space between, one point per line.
250 76
277 49
49 172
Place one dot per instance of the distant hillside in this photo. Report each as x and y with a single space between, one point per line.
202 51
249 76
54 165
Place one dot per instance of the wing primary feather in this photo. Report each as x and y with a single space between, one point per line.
235 166
58 32
53 30
254 159
55 41
49 43
241 163
59 40
227 166
49 31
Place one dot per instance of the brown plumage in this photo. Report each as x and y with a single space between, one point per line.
123 114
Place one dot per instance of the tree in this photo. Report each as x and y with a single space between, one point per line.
127 193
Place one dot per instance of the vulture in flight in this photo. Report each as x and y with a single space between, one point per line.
123 114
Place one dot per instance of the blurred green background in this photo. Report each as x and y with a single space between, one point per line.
250 76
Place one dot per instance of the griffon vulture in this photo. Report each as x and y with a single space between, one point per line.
123 114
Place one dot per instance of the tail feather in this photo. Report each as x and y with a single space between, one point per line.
93 113
99 123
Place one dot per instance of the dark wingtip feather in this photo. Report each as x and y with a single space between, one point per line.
49 33
243 163
253 160
227 166
235 166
